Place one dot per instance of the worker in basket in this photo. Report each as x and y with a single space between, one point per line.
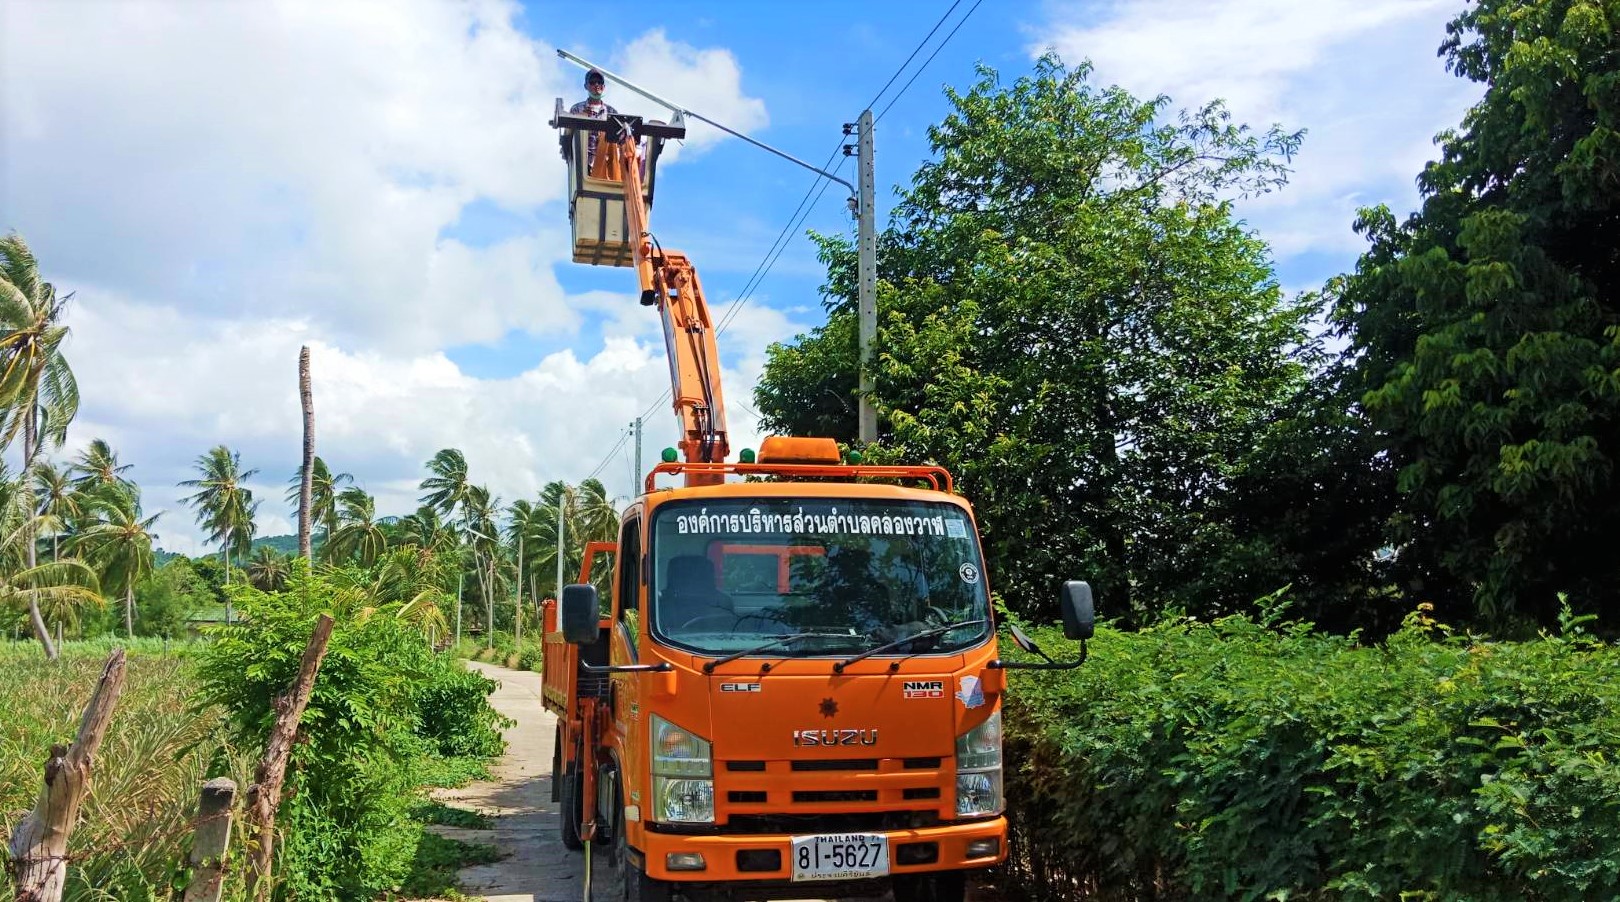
605 165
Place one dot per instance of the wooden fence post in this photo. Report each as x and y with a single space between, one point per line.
264 796
39 845
211 839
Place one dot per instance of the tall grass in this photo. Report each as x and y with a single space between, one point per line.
159 749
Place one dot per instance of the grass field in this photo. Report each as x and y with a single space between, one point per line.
158 751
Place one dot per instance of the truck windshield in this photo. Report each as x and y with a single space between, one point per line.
857 573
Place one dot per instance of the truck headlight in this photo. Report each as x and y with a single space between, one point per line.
683 775
686 801
978 769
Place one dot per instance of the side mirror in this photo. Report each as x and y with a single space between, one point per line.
577 612
1079 617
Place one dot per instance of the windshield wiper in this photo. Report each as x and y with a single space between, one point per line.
783 639
925 634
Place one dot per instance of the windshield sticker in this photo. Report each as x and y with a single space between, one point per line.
955 529
924 689
969 691
969 573
801 523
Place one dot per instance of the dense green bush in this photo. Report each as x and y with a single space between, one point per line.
383 710
1234 760
454 714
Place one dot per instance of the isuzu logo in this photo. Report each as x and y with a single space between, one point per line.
803 738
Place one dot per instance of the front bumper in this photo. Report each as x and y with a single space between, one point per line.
722 862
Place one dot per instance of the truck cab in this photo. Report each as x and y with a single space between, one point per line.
792 681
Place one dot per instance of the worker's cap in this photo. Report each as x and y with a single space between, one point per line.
594 77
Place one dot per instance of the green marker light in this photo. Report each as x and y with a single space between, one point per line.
854 456
668 455
746 456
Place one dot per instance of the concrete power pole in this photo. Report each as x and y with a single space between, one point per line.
867 273
635 482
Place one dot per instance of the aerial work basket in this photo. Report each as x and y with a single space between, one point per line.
601 231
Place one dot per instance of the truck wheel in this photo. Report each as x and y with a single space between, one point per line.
570 810
628 882
940 886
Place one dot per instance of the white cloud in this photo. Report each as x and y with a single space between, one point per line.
707 81
1360 76
222 182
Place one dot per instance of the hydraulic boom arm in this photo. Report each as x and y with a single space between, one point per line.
669 282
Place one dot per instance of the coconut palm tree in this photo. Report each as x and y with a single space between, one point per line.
324 486
60 503
118 542
38 393
359 535
58 588
224 505
97 466
266 570
425 530
446 488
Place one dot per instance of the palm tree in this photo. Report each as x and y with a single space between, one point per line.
323 493
425 530
97 466
59 588
119 543
224 505
38 393
358 533
60 503
267 571
447 487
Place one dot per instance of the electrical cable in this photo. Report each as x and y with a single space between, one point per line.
930 59
918 49
623 437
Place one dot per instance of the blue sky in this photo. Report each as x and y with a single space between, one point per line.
221 183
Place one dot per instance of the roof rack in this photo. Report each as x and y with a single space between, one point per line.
937 478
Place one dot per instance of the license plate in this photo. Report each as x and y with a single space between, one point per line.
840 856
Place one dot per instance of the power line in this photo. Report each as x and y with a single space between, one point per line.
931 56
915 50
623 437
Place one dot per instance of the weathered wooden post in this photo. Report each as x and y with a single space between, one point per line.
211 839
264 796
39 845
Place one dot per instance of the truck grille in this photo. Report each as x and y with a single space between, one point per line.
829 794
835 764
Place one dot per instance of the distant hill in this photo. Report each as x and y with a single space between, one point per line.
282 544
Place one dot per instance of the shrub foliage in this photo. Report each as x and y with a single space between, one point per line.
1238 760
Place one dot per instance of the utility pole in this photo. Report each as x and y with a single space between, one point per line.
459 578
635 482
867 276
517 613
562 496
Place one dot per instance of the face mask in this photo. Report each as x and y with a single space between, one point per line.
596 93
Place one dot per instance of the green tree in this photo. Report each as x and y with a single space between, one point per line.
1073 321
445 489
168 596
55 590
1486 327
224 505
59 502
97 466
358 537
117 540
324 488
267 570
39 395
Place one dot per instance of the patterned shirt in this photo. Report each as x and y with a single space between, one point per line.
596 109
